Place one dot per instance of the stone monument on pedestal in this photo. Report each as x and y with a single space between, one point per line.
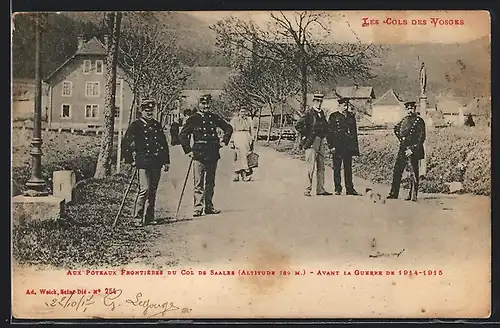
422 99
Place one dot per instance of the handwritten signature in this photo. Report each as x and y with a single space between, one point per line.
113 301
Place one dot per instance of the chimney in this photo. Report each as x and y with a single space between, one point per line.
106 41
81 40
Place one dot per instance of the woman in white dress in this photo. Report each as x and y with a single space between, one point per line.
242 141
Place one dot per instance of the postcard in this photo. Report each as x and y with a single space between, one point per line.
251 164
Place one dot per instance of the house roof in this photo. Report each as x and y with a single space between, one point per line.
91 47
355 92
387 99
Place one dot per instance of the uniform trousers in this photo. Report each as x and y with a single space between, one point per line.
337 161
315 157
148 184
204 184
399 167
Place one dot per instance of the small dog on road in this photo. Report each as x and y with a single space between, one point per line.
374 197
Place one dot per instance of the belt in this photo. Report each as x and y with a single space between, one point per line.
205 142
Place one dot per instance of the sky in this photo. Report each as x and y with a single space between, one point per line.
390 29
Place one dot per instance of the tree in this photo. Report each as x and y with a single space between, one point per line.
299 41
103 168
261 82
150 56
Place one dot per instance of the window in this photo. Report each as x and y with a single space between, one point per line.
87 66
118 89
117 111
92 89
65 111
99 69
66 88
91 111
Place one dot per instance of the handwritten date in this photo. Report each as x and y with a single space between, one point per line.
72 302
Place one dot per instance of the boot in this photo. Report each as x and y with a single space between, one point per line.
409 192
414 193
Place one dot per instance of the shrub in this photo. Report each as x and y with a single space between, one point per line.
61 151
452 154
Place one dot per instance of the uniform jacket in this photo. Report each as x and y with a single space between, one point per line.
411 134
313 124
343 133
203 128
147 139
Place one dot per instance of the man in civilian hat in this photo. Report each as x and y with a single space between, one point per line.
147 139
313 129
410 132
203 125
343 142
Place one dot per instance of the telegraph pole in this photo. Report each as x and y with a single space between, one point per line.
36 185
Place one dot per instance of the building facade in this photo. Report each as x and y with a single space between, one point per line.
77 90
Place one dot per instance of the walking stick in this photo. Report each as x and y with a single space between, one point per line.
183 188
137 194
125 197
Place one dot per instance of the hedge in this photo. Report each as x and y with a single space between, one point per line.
453 155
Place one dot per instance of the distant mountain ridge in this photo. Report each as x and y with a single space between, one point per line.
453 69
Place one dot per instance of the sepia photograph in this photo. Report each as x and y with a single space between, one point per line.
251 164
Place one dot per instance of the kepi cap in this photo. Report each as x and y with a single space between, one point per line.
148 105
343 100
318 96
411 104
205 99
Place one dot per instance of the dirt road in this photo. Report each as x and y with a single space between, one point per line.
333 256
271 211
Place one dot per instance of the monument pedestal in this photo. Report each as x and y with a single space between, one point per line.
26 209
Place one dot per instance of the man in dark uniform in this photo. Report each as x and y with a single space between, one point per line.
151 154
410 132
313 129
203 125
343 143
174 133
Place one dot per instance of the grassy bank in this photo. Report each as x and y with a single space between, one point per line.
85 237
452 155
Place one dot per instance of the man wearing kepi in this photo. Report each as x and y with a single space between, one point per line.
313 129
151 153
343 142
411 134
204 152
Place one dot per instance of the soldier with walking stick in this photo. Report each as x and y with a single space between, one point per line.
411 134
204 153
147 139
313 128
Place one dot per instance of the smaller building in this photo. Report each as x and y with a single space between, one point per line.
452 109
360 98
387 109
